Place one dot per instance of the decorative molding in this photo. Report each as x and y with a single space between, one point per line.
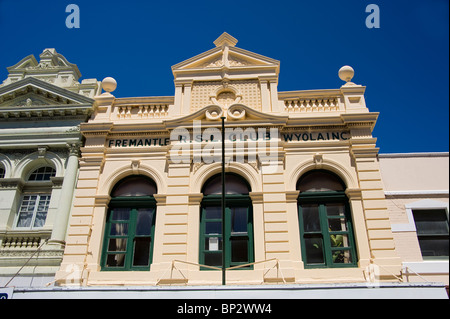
160 199
292 196
257 197
12 183
102 200
195 198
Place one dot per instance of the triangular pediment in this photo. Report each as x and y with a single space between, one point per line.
33 98
217 58
33 92
225 55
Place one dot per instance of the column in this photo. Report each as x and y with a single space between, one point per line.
65 202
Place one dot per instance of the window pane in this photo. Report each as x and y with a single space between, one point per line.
42 209
335 209
339 240
134 186
320 181
144 221
141 251
239 250
213 228
213 243
431 222
314 250
433 247
213 259
337 224
26 211
342 257
115 260
238 220
119 229
213 212
233 185
121 214
117 244
311 222
42 174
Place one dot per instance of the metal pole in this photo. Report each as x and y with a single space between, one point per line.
223 203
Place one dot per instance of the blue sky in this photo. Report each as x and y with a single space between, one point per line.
404 63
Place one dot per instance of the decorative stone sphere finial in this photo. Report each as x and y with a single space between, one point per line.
109 84
346 73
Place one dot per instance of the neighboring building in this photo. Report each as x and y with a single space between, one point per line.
41 107
416 186
308 208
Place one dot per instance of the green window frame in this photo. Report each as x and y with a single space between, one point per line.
129 234
326 230
239 246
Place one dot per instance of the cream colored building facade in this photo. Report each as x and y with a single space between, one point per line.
300 131
311 204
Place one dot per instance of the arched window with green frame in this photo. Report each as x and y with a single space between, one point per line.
325 221
130 225
238 239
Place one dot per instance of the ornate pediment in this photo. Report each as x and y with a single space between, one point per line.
49 60
31 97
225 55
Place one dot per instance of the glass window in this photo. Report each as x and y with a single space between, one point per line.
320 181
233 185
134 186
42 174
129 231
33 211
325 222
432 232
2 172
238 237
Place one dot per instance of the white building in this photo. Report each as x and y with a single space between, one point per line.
41 106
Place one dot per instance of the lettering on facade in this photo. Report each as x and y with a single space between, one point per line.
137 142
316 136
230 136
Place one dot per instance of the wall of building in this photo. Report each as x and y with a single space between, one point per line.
415 181
41 107
321 129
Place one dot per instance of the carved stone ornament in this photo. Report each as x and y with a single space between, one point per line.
214 112
236 112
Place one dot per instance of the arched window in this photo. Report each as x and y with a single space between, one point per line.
42 174
2 172
35 202
130 225
325 221
238 237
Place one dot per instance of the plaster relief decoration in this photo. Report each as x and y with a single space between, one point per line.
226 96
213 112
236 112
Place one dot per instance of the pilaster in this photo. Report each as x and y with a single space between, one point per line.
378 227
